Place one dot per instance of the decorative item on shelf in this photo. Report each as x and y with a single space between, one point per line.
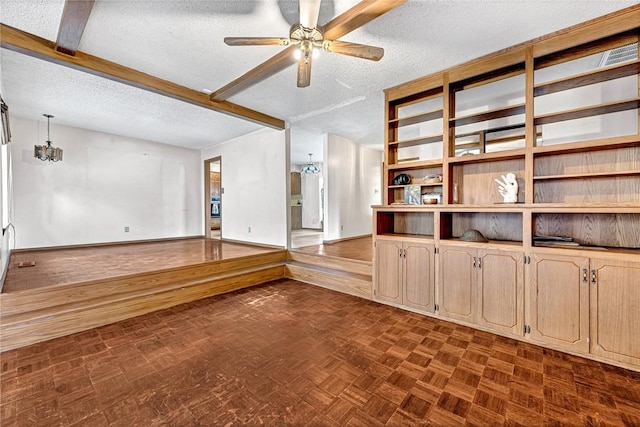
431 198
310 168
472 235
47 152
432 179
402 179
455 193
508 188
412 195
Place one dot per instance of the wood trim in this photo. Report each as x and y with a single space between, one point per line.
328 242
260 245
37 47
94 245
74 19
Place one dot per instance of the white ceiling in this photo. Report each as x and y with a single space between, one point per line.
182 41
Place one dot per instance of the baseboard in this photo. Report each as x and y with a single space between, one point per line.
260 245
344 239
96 245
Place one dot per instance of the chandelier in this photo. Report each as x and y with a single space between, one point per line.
47 152
310 168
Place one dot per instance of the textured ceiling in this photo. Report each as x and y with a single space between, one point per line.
182 41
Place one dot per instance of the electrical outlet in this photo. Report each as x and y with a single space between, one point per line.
341 227
126 229
249 230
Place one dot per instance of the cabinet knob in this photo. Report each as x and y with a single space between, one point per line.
474 262
593 277
584 275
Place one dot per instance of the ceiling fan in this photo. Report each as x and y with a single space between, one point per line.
305 38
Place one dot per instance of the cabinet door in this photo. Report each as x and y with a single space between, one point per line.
419 275
457 276
500 284
388 271
560 301
615 310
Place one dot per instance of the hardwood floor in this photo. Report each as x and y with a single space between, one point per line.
62 266
287 353
360 249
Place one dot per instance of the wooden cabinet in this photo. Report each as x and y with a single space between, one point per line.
482 286
500 290
562 113
559 311
615 309
457 283
405 274
587 305
389 270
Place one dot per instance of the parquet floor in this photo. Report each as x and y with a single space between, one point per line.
72 265
288 353
360 249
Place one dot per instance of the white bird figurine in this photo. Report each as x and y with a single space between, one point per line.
508 188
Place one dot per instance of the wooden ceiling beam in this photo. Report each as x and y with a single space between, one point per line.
37 47
263 71
74 18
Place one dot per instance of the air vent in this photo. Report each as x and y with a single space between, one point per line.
619 55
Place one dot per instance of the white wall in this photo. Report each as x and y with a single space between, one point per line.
254 178
104 183
311 200
352 183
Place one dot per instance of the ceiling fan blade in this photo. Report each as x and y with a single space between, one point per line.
358 50
357 16
304 71
256 41
263 71
309 11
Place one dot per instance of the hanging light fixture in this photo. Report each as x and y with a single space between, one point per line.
310 168
47 152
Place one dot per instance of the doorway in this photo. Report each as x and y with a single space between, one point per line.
213 197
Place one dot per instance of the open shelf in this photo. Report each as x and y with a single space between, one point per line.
591 145
587 175
485 157
588 78
416 118
497 113
416 141
608 229
595 110
406 235
419 164
489 244
428 184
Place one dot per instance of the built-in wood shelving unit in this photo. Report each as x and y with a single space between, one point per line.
568 128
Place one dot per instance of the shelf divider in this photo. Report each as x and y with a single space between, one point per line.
498 113
594 110
588 78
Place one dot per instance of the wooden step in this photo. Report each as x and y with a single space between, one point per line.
43 314
359 285
332 262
